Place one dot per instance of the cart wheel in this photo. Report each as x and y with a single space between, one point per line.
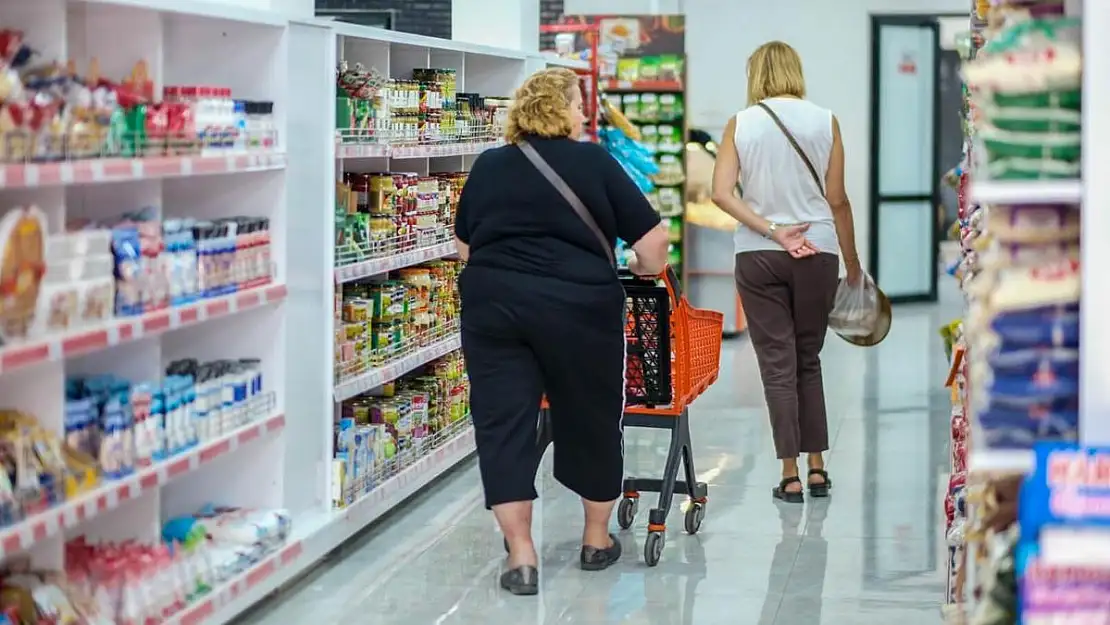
653 547
626 513
694 516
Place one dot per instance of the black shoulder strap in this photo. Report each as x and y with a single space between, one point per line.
569 195
795 145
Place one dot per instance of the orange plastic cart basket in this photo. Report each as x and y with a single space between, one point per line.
695 350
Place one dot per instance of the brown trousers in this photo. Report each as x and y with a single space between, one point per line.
787 302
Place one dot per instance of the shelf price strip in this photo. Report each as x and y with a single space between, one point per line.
376 266
380 150
32 175
111 494
391 371
242 583
127 329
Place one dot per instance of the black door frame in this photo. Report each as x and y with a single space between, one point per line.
875 197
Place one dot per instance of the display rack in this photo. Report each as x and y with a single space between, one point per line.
615 74
118 235
265 320
587 69
994 452
319 270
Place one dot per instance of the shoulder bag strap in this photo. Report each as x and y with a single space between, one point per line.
795 145
569 195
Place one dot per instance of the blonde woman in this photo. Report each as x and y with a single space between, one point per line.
543 312
794 216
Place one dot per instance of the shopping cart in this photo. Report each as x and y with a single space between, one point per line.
674 353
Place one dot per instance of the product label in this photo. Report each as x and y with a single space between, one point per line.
1069 486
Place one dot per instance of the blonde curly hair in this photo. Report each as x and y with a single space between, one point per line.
541 106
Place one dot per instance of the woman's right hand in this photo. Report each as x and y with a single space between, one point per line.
793 240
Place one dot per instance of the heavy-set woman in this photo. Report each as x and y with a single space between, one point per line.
543 313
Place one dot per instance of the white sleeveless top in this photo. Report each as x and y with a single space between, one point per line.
776 182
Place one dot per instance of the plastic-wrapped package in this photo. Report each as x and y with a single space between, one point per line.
1045 326
1011 427
856 309
1033 223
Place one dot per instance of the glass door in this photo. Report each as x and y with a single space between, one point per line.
904 176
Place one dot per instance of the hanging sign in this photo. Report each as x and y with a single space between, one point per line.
908 65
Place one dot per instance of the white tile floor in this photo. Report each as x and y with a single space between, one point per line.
871 555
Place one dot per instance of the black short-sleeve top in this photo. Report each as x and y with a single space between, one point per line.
513 218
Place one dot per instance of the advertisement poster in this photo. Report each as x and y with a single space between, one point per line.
644 37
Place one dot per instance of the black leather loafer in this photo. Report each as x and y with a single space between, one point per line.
523 580
598 559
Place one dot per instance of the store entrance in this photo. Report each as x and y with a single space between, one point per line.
905 180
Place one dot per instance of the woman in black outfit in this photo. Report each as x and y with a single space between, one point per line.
543 313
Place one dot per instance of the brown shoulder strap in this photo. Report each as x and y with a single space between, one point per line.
569 195
795 145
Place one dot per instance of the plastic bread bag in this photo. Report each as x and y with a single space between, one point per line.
856 308
1051 146
1033 223
1044 327
1029 57
1018 168
1003 255
1025 288
1033 119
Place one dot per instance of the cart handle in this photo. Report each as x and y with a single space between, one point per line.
668 276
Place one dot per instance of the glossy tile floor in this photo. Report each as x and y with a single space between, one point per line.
872 554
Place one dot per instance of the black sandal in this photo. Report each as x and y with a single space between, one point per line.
780 491
819 489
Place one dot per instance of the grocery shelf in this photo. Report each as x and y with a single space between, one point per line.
202 8
109 495
649 86
128 329
96 171
1000 461
552 60
378 266
1027 192
390 371
249 582
315 536
382 150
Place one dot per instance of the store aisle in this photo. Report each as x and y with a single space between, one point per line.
873 554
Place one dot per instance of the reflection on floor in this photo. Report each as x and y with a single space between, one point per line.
871 555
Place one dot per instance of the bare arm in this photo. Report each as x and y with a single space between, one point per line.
651 252
463 249
841 206
726 172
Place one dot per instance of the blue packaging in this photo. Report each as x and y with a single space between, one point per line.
1068 489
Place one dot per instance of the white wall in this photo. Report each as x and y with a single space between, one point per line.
292 8
499 23
833 38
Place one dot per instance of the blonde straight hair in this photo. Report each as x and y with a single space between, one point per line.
775 70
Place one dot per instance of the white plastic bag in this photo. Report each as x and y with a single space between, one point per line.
856 311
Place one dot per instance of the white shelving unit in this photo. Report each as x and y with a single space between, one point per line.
182 42
1087 192
282 458
1094 343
